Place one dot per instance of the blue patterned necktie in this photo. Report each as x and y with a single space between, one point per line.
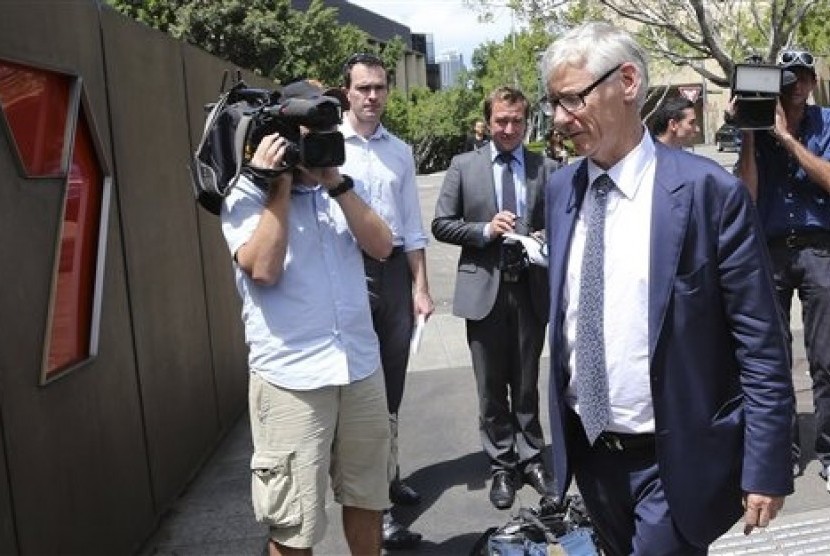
592 379
508 186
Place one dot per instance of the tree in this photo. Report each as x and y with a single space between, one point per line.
266 36
689 32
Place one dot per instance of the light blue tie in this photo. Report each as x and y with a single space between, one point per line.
592 378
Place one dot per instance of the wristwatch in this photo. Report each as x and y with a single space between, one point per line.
342 187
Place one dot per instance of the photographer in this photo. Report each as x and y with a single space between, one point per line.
787 171
487 193
317 401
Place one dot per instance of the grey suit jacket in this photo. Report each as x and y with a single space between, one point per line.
467 202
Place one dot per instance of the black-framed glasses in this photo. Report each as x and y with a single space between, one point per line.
797 58
573 102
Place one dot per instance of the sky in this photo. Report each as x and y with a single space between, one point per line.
453 26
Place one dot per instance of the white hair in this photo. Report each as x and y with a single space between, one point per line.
597 47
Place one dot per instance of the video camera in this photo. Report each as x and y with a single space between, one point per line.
242 116
756 87
321 147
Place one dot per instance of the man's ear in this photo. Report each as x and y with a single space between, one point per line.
631 80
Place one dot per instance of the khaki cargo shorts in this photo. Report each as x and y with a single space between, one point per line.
296 451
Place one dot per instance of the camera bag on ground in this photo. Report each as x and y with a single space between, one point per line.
556 528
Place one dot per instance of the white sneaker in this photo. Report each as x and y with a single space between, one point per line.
827 477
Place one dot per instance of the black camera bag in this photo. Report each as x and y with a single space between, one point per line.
218 161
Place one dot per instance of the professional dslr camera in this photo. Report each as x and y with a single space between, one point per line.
756 87
242 116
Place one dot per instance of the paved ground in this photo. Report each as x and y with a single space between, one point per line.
441 456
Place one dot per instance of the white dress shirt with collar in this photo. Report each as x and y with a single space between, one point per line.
626 271
383 170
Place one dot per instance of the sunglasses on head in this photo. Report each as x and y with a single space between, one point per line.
798 57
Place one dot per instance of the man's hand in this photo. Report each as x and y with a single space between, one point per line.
327 177
502 223
422 304
779 129
760 509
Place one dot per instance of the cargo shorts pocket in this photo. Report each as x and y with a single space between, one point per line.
274 490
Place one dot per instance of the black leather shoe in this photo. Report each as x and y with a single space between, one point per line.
536 476
396 536
503 490
402 494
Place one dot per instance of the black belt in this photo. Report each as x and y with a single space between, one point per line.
624 442
799 240
396 250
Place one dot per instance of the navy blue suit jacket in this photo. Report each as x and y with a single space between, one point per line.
718 359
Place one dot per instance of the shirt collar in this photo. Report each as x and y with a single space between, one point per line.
628 172
518 154
348 131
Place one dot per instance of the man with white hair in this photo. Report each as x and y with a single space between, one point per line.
670 394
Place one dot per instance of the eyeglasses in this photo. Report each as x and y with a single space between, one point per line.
797 58
573 102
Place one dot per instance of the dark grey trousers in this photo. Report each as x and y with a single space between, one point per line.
390 296
505 347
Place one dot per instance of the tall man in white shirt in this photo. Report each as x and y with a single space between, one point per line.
384 172
670 394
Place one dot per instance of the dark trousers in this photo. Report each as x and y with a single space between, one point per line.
624 496
505 348
390 296
806 269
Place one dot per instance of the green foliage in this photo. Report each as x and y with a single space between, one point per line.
814 31
515 62
266 36
434 123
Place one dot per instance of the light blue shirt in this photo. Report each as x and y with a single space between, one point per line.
383 171
313 328
518 168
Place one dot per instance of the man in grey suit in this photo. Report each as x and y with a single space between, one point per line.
486 193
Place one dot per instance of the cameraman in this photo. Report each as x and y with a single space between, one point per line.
486 193
787 171
316 394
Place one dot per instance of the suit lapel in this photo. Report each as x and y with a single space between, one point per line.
533 184
485 165
564 218
669 218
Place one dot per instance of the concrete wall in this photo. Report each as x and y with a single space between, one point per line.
89 462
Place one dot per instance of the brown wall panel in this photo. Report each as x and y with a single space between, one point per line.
70 444
8 303
161 243
203 74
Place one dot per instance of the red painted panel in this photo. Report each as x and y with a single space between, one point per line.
35 103
75 291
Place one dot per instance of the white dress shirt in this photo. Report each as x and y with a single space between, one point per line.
383 170
626 271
